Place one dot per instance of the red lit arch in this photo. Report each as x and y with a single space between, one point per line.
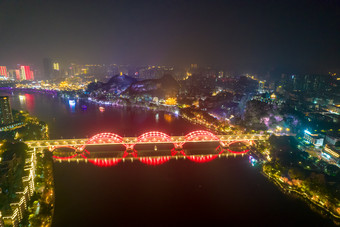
201 135
203 158
154 161
238 152
106 137
52 149
154 136
105 162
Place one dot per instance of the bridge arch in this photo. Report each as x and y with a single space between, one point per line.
53 148
201 135
105 137
245 142
154 160
154 136
197 136
105 162
203 158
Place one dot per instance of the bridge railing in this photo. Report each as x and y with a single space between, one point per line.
134 140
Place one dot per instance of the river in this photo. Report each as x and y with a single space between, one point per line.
227 191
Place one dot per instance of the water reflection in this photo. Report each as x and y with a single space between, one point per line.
22 99
72 105
168 118
208 194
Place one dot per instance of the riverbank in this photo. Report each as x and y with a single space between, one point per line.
41 208
80 123
324 208
25 175
308 198
17 182
295 173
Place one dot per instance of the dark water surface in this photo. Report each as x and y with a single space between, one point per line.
224 192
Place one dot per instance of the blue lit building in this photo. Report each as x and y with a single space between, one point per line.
315 139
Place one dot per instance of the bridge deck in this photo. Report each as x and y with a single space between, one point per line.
133 140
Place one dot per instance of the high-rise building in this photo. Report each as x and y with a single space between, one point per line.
26 73
52 68
6 117
3 71
12 74
17 74
32 75
48 68
194 66
56 66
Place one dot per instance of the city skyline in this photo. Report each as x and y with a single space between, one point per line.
253 36
225 111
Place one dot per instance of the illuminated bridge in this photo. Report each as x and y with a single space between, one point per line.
78 149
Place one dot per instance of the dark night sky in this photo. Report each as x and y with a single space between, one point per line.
241 35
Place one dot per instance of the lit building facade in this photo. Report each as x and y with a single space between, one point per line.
56 66
26 73
2 224
17 74
6 117
19 207
314 138
3 71
331 152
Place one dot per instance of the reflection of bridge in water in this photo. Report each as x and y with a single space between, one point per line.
79 149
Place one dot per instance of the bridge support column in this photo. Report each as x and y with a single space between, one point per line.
130 150
177 148
129 147
220 148
223 144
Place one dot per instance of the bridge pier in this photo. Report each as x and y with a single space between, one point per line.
129 147
178 146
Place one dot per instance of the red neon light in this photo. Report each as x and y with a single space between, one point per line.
238 152
201 159
17 74
154 161
104 138
201 135
105 162
154 136
63 158
25 72
3 71
173 151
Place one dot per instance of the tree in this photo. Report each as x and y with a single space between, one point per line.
295 173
